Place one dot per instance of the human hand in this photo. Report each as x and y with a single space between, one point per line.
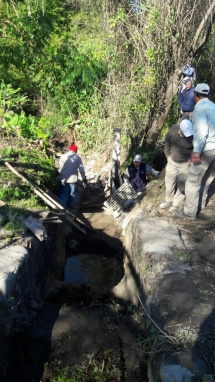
195 157
85 182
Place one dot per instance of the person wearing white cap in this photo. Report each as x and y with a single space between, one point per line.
178 149
203 155
136 173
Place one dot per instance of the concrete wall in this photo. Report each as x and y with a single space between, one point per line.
25 269
173 291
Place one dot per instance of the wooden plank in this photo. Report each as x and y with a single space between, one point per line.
46 198
116 157
58 202
35 226
35 188
70 220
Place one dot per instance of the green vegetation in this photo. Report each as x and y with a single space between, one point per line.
83 68
208 378
13 227
74 71
180 255
36 166
90 370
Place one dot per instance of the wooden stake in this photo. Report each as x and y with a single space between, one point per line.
116 157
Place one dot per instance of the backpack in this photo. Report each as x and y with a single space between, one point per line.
188 71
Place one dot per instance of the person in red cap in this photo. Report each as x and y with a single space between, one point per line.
69 165
74 148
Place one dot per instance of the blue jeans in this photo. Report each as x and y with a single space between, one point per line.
67 193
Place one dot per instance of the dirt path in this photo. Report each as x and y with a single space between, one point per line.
102 222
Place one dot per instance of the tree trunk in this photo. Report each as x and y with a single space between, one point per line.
163 108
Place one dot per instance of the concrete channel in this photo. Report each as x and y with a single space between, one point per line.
61 303
87 303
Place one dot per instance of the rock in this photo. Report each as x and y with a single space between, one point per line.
175 373
34 305
182 367
155 237
106 168
117 213
126 218
4 233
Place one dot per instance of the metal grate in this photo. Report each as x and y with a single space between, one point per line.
117 200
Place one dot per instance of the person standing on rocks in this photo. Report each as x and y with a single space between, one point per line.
178 149
69 165
186 100
136 173
203 155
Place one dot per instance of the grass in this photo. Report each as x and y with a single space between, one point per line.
180 255
34 164
13 227
208 378
91 369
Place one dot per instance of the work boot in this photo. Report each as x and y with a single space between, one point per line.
182 215
173 209
165 204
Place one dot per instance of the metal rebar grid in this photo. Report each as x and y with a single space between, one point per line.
117 200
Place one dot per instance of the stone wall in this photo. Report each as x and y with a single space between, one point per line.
173 290
25 269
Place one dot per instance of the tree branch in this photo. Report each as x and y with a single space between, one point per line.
201 46
201 26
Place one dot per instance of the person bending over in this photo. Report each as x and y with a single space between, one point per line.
136 173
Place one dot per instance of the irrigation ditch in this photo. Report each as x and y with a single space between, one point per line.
128 299
62 319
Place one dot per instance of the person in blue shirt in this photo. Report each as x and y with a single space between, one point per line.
186 100
203 155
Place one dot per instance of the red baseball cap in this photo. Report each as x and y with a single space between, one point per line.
73 148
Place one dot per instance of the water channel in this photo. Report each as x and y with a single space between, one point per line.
81 331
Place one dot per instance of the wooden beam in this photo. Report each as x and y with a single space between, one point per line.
56 205
116 157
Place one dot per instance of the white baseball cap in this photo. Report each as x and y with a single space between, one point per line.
202 89
137 158
186 127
